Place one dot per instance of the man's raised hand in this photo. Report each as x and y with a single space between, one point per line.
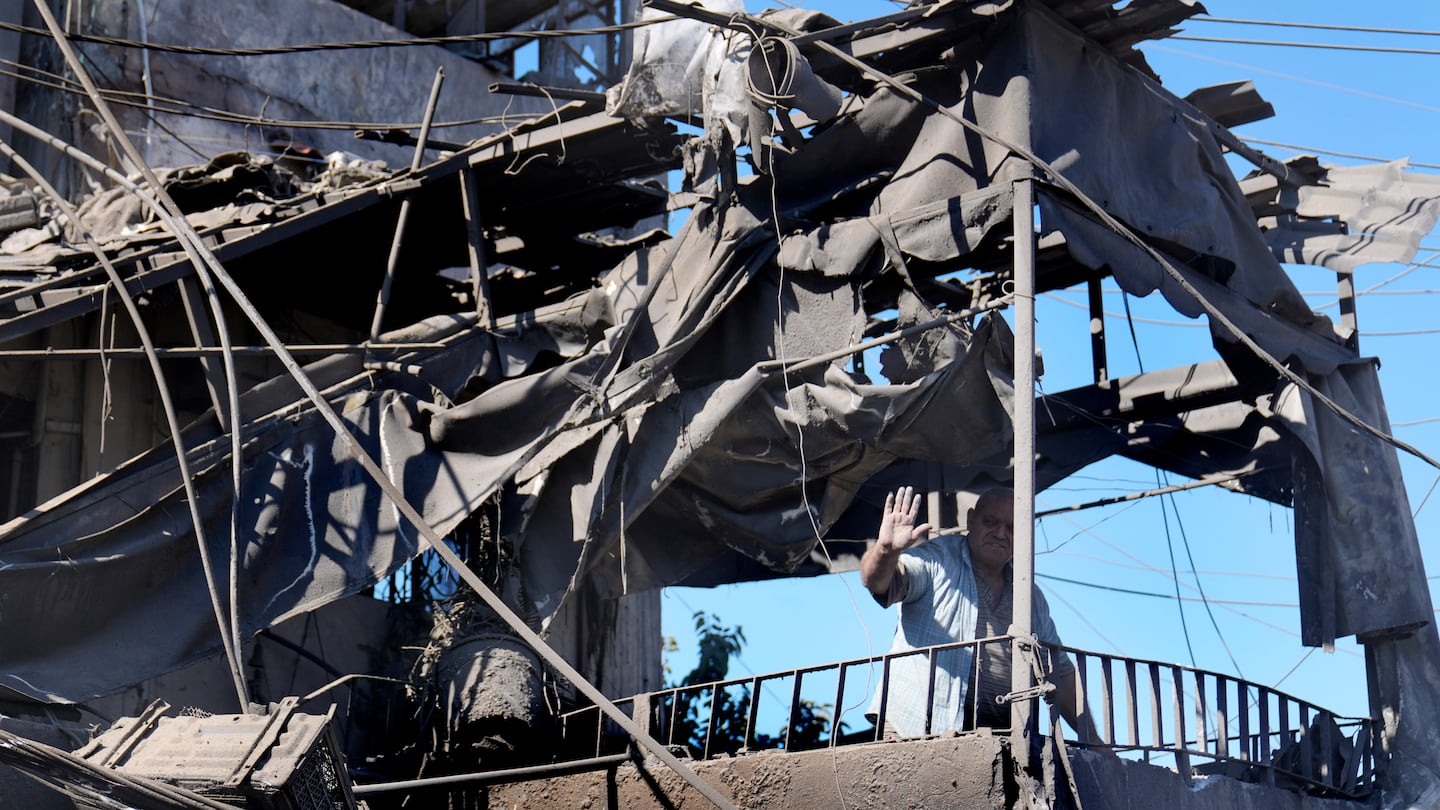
898 531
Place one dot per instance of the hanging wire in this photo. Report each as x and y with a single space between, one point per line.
308 47
229 642
1185 541
1209 573
1175 573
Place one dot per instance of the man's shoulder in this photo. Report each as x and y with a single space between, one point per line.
946 550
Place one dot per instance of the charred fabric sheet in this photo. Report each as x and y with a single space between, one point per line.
665 412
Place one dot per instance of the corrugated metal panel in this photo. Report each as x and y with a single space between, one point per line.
1137 21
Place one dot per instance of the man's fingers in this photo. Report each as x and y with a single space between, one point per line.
919 534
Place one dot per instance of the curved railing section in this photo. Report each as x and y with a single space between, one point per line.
1195 721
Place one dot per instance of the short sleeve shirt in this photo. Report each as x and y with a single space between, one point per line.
939 605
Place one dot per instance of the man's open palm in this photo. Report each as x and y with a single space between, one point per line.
898 531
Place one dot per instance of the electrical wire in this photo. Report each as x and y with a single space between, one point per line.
1126 315
179 107
1104 561
1189 555
277 50
1319 45
787 48
1294 78
1174 572
230 418
1407 270
1085 620
1317 26
1425 500
1351 156
1230 608
1173 597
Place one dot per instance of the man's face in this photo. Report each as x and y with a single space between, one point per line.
991 529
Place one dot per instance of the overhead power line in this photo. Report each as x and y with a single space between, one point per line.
1156 595
274 50
1292 77
1317 150
1320 26
1320 45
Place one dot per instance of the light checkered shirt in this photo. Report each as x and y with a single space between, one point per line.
938 605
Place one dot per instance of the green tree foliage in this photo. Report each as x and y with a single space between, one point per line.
726 731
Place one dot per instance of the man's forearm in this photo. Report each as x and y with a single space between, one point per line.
1074 708
877 570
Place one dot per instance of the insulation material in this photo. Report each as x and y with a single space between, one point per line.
674 68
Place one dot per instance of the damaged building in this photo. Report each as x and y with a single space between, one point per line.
349 470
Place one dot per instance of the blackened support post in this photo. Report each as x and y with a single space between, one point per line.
1021 675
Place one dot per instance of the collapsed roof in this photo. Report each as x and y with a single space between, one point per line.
652 410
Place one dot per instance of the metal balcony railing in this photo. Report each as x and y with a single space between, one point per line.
1193 720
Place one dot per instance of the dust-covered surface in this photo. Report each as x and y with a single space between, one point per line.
951 772
968 771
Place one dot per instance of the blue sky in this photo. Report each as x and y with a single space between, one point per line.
1371 104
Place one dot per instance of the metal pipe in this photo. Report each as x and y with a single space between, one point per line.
173 217
1021 677
393 261
167 405
496 777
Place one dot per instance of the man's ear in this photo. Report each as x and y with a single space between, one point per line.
969 518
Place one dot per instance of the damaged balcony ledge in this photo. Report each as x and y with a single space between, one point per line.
971 770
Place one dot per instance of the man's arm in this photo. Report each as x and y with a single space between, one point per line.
898 532
1071 704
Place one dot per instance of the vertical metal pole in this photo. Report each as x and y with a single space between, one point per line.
383 300
479 269
1097 331
1021 677
1345 282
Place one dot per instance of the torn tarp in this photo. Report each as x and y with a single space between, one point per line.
661 444
1356 551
